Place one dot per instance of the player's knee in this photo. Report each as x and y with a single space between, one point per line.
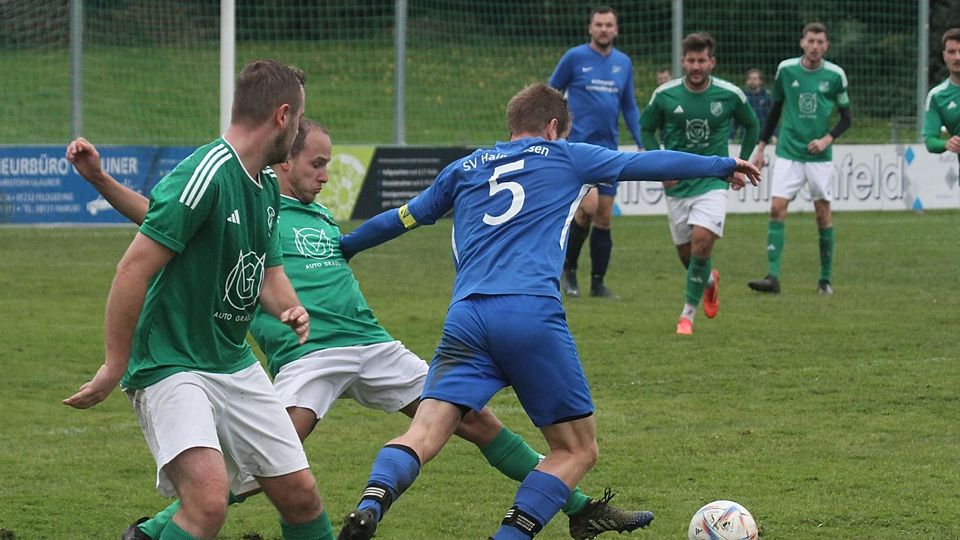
590 454
206 509
299 502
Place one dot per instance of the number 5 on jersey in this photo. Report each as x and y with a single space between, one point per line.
515 189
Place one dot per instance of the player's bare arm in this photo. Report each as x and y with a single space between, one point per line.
143 259
279 299
86 160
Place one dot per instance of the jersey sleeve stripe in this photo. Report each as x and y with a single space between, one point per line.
209 178
838 70
933 91
196 172
190 192
730 87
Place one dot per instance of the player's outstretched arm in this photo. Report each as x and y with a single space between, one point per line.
280 300
143 259
86 160
381 228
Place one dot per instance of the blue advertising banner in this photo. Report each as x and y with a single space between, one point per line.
38 185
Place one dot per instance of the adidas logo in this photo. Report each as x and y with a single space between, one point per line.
771 247
796 84
678 110
234 217
952 105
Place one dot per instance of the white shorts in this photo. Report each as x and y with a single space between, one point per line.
707 210
384 376
237 414
789 176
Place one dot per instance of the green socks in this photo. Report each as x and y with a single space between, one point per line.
826 253
775 238
155 526
698 273
173 532
320 528
514 458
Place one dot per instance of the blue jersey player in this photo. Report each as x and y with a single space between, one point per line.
505 326
598 80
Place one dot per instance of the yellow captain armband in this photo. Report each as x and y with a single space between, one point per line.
404 213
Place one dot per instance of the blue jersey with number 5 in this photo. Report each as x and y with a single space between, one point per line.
512 205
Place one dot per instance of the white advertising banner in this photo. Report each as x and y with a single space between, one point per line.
866 177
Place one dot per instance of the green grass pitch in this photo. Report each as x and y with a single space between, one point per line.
827 417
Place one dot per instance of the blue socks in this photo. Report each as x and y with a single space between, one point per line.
539 497
394 470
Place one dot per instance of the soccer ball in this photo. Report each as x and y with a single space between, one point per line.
722 520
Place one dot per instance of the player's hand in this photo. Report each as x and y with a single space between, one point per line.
817 146
97 389
737 181
667 184
298 320
747 170
758 160
85 159
953 144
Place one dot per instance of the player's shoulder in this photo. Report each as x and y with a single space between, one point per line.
193 177
577 51
667 88
942 87
835 69
790 64
727 86
617 54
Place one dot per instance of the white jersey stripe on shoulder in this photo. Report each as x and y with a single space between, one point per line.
196 172
190 198
836 69
209 178
190 190
933 91
673 83
730 87
786 63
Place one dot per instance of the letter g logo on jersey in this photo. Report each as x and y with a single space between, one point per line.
313 243
242 287
808 103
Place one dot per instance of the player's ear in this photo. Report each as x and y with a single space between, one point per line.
552 133
282 115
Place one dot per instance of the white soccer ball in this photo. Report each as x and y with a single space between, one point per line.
722 520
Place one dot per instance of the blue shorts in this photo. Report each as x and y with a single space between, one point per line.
609 191
490 342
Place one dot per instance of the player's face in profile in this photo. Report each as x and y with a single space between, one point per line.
697 66
603 29
308 170
814 45
280 149
951 56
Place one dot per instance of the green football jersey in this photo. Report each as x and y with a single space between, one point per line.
325 284
808 97
222 225
942 109
699 123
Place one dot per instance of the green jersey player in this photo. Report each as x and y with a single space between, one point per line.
942 107
694 114
206 255
348 353
805 91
